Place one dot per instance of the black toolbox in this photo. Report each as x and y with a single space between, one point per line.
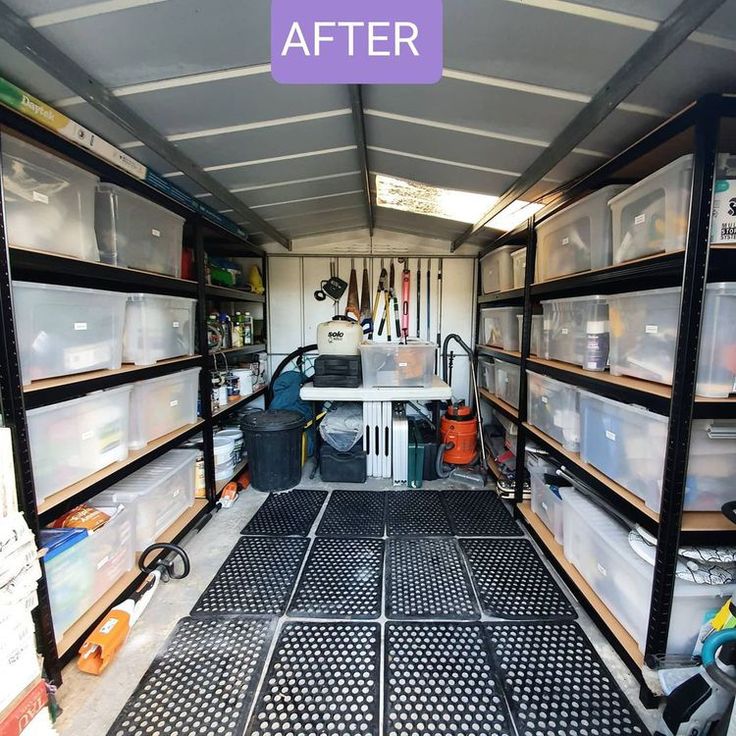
422 434
337 371
342 467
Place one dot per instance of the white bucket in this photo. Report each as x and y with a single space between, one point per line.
223 449
246 380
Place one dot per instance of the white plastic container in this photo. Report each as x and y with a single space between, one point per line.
133 232
245 376
486 375
497 271
156 495
628 444
49 203
339 336
509 428
652 216
223 449
78 576
499 327
157 327
76 438
236 436
224 472
576 239
599 548
518 260
553 408
507 382
536 347
545 502
644 337
63 330
392 364
161 405
567 323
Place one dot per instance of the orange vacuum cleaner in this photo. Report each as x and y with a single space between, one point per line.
459 435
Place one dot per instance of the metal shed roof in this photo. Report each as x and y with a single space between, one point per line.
516 73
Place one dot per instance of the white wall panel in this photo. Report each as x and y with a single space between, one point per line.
284 292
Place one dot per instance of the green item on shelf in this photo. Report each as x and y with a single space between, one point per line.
416 457
221 276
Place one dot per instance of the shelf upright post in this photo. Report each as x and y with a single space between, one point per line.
685 377
14 417
205 381
526 338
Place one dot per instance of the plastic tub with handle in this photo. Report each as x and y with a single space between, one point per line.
553 408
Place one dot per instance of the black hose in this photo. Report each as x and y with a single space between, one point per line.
279 369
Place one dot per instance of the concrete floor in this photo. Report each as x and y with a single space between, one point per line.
91 704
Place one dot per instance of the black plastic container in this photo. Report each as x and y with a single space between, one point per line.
342 467
337 371
421 432
273 440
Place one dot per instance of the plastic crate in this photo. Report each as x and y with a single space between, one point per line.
716 364
537 344
518 260
78 576
156 495
49 203
486 375
161 405
553 408
393 364
157 327
76 438
652 216
63 330
507 382
545 502
499 327
497 271
134 232
576 239
566 325
628 444
599 548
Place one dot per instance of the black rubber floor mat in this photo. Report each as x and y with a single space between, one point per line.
413 513
202 682
439 680
257 577
286 514
342 579
512 581
557 684
323 678
479 514
354 514
426 578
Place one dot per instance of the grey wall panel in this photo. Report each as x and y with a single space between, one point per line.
296 208
300 191
535 45
167 39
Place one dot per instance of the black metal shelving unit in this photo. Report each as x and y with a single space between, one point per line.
205 237
703 129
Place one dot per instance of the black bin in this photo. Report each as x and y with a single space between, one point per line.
273 440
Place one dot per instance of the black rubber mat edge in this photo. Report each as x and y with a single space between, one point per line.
514 524
304 533
361 533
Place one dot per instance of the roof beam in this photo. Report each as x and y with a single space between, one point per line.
26 39
356 105
672 32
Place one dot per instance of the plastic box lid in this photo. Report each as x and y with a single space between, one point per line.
153 474
106 187
605 192
680 163
504 249
127 388
642 411
567 300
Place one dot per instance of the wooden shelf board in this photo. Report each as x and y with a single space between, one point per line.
493 399
220 484
106 601
241 400
556 551
91 375
254 348
70 491
493 349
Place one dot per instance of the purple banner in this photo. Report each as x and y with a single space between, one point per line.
356 41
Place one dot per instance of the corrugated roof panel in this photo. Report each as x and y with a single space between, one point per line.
347 199
28 8
437 227
302 190
19 70
329 212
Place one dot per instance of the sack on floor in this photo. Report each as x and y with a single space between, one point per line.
342 427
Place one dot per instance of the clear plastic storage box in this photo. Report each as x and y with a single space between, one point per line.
63 330
49 203
553 408
157 327
537 344
652 216
507 382
644 336
79 576
156 495
518 260
567 323
599 548
486 375
392 364
499 327
545 502
510 429
161 405
576 239
134 232
497 271
628 444
76 438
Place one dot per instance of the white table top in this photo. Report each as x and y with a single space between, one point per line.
438 391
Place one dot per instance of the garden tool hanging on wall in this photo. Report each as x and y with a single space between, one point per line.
334 287
366 315
379 306
352 308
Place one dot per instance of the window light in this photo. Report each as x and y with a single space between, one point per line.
449 204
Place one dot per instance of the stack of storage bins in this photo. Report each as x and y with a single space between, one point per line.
553 407
486 375
497 270
546 500
507 381
499 327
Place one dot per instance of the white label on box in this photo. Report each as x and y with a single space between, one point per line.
565 241
87 435
651 329
602 570
174 402
640 219
103 562
39 197
78 326
611 435
403 365
176 493
156 233
564 330
175 325
544 399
